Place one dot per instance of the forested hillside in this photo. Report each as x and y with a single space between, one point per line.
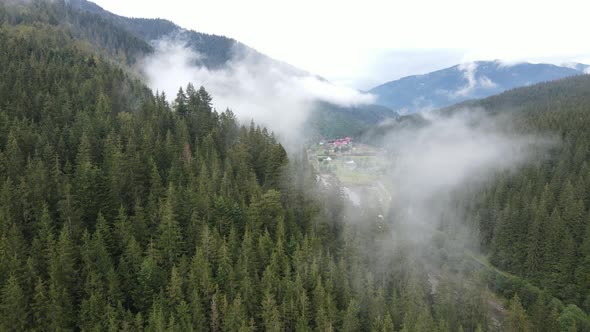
120 210
467 81
125 210
91 31
537 223
330 120
216 50
533 224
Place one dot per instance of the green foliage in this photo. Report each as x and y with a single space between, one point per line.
535 223
517 318
122 211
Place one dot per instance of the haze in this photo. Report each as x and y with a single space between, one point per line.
362 44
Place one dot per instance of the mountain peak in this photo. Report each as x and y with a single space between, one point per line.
469 80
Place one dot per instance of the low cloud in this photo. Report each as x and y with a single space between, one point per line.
474 81
429 163
507 63
487 83
469 69
252 86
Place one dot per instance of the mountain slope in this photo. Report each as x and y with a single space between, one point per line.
536 223
216 52
331 121
93 32
462 82
119 212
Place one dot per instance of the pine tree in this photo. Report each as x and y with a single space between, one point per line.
170 237
235 318
388 324
15 311
517 319
40 303
180 103
174 290
351 320
582 272
62 281
270 314
149 280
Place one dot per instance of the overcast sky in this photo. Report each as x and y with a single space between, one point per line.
365 43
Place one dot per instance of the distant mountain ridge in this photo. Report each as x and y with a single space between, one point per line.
466 81
216 52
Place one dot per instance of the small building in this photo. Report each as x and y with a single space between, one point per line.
351 164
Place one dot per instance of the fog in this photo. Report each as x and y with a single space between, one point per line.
254 87
428 163
469 70
450 151
431 164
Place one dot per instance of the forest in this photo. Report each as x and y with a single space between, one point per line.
122 209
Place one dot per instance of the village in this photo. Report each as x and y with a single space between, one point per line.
359 169
353 163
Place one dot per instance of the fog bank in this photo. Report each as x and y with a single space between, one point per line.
271 93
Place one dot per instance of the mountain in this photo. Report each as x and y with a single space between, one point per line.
122 212
330 120
93 32
216 50
543 230
467 81
327 119
577 66
534 223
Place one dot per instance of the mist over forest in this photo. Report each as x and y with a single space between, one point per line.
157 178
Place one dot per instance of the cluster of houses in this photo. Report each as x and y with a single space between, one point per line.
333 147
341 142
337 145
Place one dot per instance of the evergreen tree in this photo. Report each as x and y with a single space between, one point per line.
517 317
15 310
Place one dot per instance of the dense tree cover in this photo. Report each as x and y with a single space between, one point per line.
91 30
216 50
326 119
121 210
536 223
533 223
331 120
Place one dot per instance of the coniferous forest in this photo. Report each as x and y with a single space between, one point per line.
123 209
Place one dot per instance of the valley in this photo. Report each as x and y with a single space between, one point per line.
357 169
158 178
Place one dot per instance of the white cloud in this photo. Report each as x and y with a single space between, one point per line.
569 64
309 35
474 81
254 87
485 82
469 70
506 63
464 150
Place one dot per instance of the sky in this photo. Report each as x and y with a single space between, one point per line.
365 43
